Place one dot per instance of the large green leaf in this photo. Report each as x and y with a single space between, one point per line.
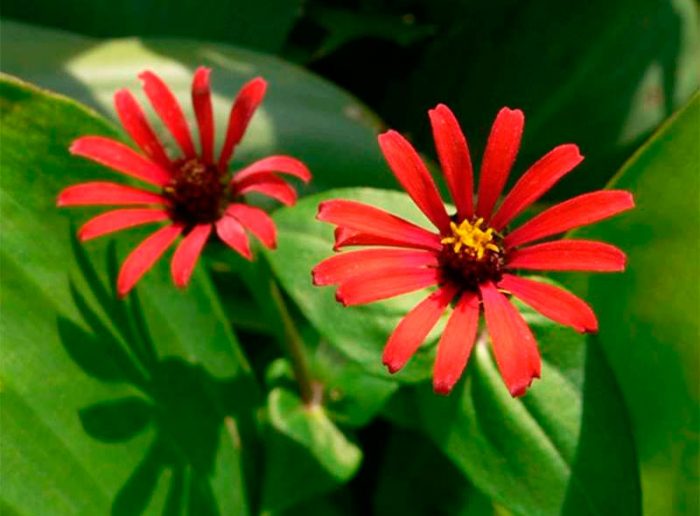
302 115
142 404
649 316
597 73
564 448
358 332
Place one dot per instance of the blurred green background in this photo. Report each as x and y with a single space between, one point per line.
617 78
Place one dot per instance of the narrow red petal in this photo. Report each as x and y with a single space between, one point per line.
346 237
514 345
136 124
552 302
102 192
454 157
247 101
121 158
536 181
579 211
201 100
117 220
501 150
232 233
344 266
385 283
278 164
413 329
187 254
169 111
367 219
256 221
269 185
144 256
456 343
415 178
568 255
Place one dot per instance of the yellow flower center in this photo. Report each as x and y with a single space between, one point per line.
470 238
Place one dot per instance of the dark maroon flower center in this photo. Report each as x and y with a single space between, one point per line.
472 254
197 191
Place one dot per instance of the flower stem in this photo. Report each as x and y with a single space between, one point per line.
294 344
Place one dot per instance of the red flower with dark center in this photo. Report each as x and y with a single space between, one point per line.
194 193
472 258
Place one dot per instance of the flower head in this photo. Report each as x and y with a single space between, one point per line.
472 258
192 192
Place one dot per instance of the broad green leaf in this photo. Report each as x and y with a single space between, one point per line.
302 115
306 453
358 332
649 315
259 25
599 74
564 448
129 406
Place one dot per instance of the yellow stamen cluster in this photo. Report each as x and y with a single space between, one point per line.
471 238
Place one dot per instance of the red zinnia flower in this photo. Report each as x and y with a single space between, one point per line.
471 258
194 192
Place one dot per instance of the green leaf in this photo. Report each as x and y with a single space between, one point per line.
550 451
649 315
358 332
599 74
306 453
302 115
129 406
259 25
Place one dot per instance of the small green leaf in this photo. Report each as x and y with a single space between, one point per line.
306 453
358 332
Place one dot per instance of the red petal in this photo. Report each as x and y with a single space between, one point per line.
144 256
454 157
385 283
233 234
269 185
344 266
102 192
169 111
456 343
514 345
121 158
499 156
136 124
364 218
411 172
119 219
256 221
414 328
579 211
552 302
568 255
247 101
345 237
201 100
278 164
536 181
187 254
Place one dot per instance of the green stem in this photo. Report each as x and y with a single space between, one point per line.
294 344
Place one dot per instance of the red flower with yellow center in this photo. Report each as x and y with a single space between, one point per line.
472 258
193 192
